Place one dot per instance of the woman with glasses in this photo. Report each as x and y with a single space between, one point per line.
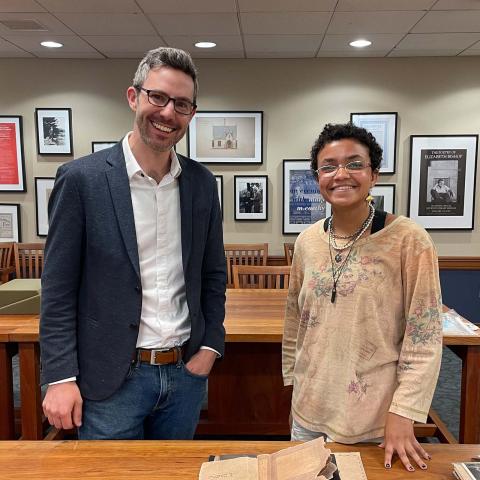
363 334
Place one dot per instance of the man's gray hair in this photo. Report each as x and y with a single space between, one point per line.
169 57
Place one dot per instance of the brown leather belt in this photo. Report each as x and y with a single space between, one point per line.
158 356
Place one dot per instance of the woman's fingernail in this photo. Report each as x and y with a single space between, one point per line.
429 457
410 468
423 466
387 465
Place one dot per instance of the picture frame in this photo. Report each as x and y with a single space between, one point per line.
234 137
383 126
251 197
12 158
303 204
442 181
54 131
43 190
10 222
384 197
102 145
219 179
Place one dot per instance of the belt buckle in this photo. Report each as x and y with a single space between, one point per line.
153 352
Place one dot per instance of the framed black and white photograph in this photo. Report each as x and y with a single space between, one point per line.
251 197
54 131
226 137
10 222
12 160
219 179
383 126
97 146
384 197
43 190
303 204
442 181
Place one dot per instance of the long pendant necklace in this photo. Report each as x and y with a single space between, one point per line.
337 273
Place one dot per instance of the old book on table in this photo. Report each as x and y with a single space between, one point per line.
20 296
467 470
455 324
308 461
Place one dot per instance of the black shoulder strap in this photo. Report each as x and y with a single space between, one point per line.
377 224
378 221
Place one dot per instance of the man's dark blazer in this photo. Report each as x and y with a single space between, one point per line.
91 288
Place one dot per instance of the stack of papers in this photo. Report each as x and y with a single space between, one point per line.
454 324
467 471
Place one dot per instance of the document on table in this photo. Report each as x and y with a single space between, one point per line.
454 324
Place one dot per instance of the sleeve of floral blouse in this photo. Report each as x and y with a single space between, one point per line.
421 352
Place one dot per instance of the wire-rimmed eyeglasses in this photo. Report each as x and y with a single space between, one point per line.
330 169
160 99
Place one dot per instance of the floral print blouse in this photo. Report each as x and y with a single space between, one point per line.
377 348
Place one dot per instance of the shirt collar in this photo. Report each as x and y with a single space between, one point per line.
133 167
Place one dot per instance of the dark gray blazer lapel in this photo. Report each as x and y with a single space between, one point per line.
185 183
122 202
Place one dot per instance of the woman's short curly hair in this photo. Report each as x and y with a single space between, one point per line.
333 132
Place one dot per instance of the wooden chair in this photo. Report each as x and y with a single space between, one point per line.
29 259
288 249
262 276
6 261
244 254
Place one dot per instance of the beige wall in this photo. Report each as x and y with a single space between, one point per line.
431 96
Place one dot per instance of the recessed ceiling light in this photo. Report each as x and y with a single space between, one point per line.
51 44
205 44
360 43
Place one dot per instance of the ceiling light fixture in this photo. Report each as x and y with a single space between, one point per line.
51 44
360 43
205 44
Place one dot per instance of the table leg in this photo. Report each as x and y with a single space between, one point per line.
470 399
7 414
30 393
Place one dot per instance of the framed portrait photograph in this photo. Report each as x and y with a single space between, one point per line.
303 204
384 197
10 222
219 179
442 181
251 197
43 190
383 126
54 131
226 137
97 146
12 160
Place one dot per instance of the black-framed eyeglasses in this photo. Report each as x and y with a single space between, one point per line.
330 169
160 99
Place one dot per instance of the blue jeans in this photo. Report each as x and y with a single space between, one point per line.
157 402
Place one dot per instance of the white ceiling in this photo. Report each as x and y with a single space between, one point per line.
242 28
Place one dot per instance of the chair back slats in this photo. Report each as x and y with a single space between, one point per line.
244 254
6 261
261 276
288 248
29 259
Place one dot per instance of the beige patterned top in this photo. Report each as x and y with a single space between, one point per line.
377 349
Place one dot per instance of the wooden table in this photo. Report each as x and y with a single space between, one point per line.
246 393
126 460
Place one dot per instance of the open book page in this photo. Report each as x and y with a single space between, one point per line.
242 468
302 462
350 466
454 324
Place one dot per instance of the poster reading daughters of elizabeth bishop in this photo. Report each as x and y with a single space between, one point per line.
303 204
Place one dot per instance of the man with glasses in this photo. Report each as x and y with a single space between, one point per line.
133 289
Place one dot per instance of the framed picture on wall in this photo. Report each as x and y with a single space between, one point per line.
383 126
384 197
251 197
303 204
43 190
226 137
12 160
10 222
97 146
442 181
219 179
54 131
